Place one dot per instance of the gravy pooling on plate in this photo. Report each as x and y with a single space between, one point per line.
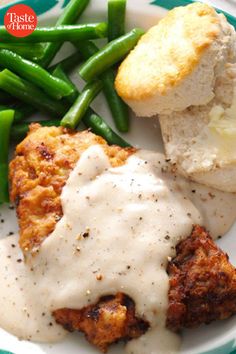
122 223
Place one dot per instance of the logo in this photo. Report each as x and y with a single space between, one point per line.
20 20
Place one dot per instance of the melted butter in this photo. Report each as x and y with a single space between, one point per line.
223 120
221 130
122 223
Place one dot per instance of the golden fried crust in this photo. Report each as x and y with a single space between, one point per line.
111 320
202 283
43 162
202 289
168 52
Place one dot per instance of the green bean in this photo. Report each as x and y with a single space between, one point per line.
86 48
116 18
117 107
68 63
16 113
6 119
58 34
20 113
23 111
81 105
109 55
60 73
100 127
29 93
19 131
28 70
93 121
70 15
33 51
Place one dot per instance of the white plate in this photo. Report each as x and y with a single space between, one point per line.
217 338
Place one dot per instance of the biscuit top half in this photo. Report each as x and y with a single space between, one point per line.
168 52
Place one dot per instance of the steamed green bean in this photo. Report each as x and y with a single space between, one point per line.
6 120
61 74
100 127
70 15
58 34
81 105
32 51
116 18
109 55
34 73
29 93
117 107
21 112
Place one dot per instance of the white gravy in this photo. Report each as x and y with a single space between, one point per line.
120 224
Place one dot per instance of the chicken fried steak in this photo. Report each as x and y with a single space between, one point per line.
202 281
202 289
111 319
43 162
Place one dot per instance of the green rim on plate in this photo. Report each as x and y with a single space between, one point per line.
41 7
169 4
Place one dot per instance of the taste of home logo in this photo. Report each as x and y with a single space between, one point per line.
20 20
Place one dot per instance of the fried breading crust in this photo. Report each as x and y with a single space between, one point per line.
202 283
112 319
43 162
202 289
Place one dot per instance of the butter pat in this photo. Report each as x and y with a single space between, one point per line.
223 121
